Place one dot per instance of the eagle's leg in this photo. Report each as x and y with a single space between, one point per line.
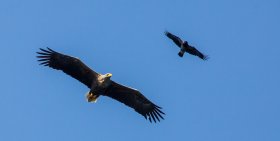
91 97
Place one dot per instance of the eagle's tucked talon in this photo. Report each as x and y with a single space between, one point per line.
91 97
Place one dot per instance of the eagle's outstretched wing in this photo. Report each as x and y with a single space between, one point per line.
70 65
194 51
175 39
134 99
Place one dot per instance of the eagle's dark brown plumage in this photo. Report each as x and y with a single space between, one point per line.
185 47
100 84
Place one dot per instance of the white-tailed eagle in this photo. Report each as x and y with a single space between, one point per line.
185 47
100 84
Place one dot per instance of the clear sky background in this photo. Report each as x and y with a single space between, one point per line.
234 96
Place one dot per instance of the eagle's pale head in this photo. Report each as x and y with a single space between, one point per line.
106 79
108 75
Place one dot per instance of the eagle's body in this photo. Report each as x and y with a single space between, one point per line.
185 47
99 87
100 84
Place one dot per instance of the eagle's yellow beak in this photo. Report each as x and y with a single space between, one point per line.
109 74
91 97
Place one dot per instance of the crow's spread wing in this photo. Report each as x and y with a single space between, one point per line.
194 51
174 38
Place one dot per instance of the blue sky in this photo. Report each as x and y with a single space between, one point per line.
234 96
